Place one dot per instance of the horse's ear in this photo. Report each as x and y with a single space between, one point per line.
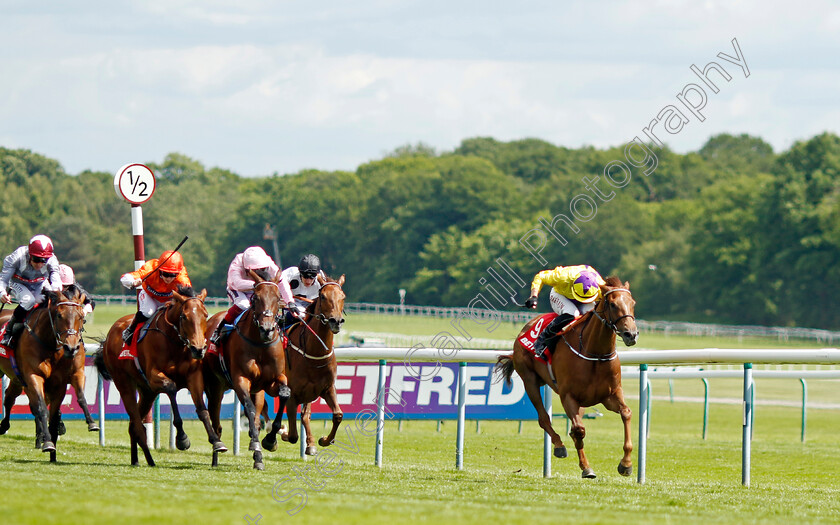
627 284
321 279
254 276
178 297
203 294
341 280
277 277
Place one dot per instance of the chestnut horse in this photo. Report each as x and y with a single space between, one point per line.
253 359
45 357
311 364
585 370
77 380
168 359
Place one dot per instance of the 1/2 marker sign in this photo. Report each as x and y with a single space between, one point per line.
135 183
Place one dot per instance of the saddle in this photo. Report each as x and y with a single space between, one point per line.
530 337
129 350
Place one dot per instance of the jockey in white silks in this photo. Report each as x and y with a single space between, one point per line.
27 272
303 280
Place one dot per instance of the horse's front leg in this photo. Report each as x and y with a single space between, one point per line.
291 412
305 419
283 393
55 416
337 415
195 384
616 404
38 406
168 387
575 414
242 387
78 382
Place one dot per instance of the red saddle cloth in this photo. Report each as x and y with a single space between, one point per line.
129 350
530 337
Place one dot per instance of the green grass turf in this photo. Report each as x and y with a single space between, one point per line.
689 480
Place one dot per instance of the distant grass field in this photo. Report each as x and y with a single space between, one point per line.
689 480
104 316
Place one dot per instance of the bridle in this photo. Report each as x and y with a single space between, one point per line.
70 331
181 318
611 323
324 320
264 313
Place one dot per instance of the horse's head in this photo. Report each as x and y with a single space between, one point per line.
266 303
331 303
619 309
67 318
192 319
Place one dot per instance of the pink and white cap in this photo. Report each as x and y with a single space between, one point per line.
66 275
255 257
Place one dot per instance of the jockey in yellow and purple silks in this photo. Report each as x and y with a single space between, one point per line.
574 290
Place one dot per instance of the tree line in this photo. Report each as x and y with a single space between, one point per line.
732 233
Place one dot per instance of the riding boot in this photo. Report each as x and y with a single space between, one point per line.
226 326
547 336
14 328
128 333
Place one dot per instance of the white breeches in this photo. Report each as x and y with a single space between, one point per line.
146 304
240 299
26 296
563 305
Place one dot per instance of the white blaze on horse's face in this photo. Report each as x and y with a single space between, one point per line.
68 324
332 304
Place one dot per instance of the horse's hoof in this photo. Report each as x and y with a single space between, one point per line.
182 444
48 446
324 442
560 452
255 446
311 450
218 446
4 427
625 471
259 465
93 427
61 428
588 474
269 444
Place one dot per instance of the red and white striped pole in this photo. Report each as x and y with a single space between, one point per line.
136 184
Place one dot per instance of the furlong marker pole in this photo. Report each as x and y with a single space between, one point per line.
140 260
100 389
748 418
462 412
644 392
380 413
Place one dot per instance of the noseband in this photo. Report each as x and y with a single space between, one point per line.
323 318
609 323
181 317
69 331
264 313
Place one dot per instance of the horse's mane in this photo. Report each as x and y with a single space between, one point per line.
263 273
613 281
186 291
71 291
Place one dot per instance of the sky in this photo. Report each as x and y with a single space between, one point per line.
262 87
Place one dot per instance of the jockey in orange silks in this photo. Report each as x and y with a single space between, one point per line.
158 278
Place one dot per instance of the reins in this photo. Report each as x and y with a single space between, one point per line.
56 334
324 320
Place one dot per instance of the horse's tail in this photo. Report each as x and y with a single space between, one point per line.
99 360
504 366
